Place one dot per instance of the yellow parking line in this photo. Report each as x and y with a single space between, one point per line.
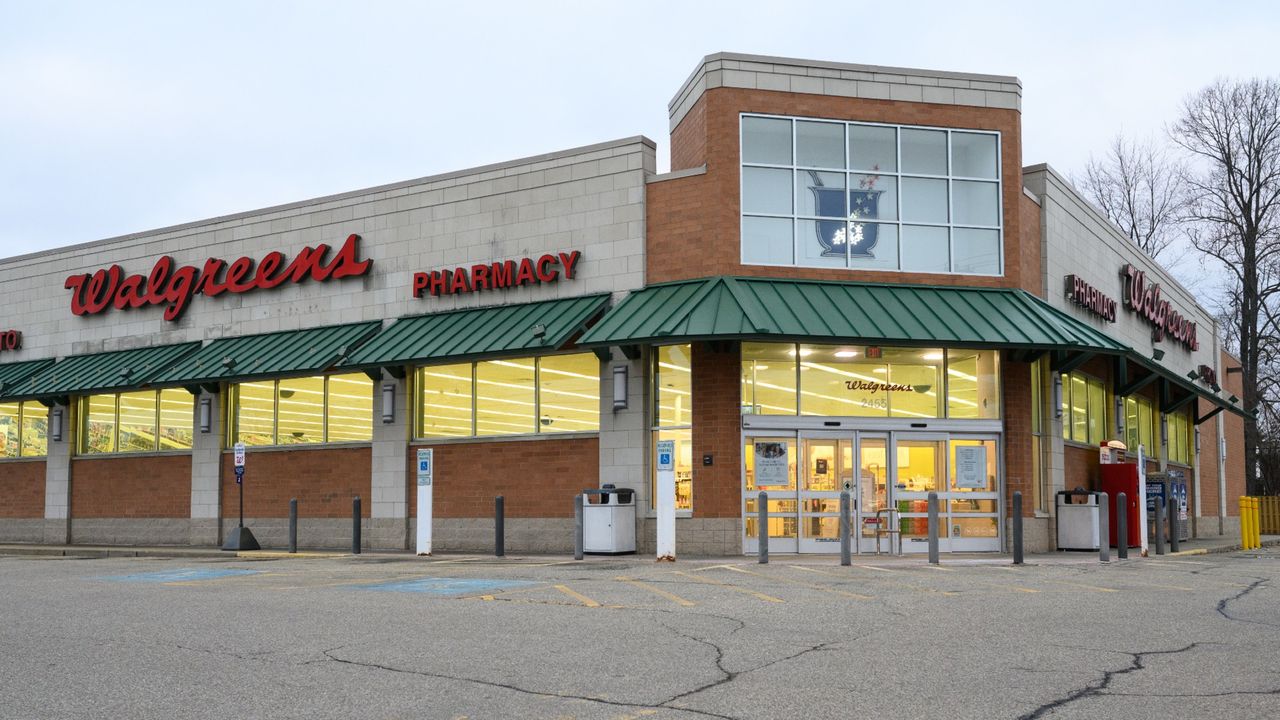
657 591
909 586
873 567
753 593
1094 588
577 596
823 588
939 567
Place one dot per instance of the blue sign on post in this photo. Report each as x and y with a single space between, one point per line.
240 475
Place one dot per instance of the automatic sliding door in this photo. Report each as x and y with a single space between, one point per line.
770 464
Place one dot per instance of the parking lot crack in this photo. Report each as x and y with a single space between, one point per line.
1137 661
1225 603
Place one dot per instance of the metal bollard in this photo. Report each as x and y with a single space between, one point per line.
1159 508
762 520
1017 528
499 527
355 525
846 539
1104 528
293 525
577 526
1174 509
1122 526
933 528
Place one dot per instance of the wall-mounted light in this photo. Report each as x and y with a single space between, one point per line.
55 424
1164 430
206 414
1119 416
1157 354
619 387
1193 375
1057 396
1222 449
388 403
1197 441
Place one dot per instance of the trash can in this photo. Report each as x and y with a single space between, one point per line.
1077 521
609 521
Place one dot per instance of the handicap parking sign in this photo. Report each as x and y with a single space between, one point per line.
666 449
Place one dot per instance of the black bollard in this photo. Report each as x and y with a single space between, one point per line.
1017 528
1122 526
293 525
846 528
1104 530
355 525
1159 507
577 526
933 528
1174 510
499 527
762 525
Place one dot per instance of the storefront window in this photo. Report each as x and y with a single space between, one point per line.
673 418
1180 440
768 379
1084 409
1039 430
973 385
841 199
521 396
1140 425
23 430
143 421
303 411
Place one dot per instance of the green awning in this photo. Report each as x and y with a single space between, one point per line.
103 372
291 352
12 376
727 308
480 332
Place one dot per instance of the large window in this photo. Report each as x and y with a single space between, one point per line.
24 430
821 193
673 417
1084 409
869 381
303 411
1039 432
1140 423
521 396
1181 444
143 421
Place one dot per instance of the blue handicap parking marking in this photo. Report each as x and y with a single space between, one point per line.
181 575
448 586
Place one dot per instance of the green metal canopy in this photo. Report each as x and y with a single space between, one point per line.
726 308
102 372
291 352
479 332
12 375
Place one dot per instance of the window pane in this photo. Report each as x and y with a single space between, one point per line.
177 408
766 140
873 148
301 411
822 242
924 152
1097 412
505 397
767 240
975 203
673 391
821 194
138 422
973 386
874 245
840 381
1131 424
569 393
924 200
350 408
921 370
445 401
255 413
973 155
100 424
1146 428
925 249
1079 408
873 197
768 379
820 144
35 430
9 430
968 479
977 251
684 467
765 190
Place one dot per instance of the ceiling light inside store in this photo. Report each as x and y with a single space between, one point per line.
804 352
846 353
932 356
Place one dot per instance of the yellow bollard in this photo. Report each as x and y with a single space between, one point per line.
1246 537
1257 522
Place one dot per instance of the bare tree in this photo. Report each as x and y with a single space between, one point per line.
1232 130
1140 189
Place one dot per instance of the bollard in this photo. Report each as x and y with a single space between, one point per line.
1104 528
1255 522
355 525
1175 509
1122 526
577 526
293 525
933 528
1159 509
499 527
1017 528
846 538
762 520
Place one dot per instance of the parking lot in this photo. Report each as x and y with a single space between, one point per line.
475 637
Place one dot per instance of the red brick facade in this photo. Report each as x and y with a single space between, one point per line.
324 480
717 374
1019 470
157 486
22 487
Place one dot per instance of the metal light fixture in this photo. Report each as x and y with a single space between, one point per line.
206 414
1118 414
1157 354
55 424
388 403
1057 396
619 387
1197 441
1164 430
1193 375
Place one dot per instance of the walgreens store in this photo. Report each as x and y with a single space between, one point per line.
847 280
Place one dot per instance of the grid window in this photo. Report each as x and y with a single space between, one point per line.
673 418
142 421
303 411
1084 409
881 197
24 430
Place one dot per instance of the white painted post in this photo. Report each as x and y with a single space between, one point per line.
1142 498
666 500
425 471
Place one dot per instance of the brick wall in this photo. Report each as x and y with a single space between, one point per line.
537 478
687 218
324 480
22 487
1081 467
1029 240
1019 468
157 486
1208 461
1233 428
717 490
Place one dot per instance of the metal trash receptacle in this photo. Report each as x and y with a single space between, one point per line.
1078 527
609 521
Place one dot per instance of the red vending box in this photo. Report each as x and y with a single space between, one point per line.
1116 479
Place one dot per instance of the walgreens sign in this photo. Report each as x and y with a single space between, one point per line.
173 286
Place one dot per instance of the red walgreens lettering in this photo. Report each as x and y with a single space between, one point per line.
93 293
498 275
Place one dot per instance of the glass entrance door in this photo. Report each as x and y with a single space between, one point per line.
827 470
874 490
919 469
770 464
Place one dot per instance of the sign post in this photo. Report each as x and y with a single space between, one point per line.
426 470
666 491
1142 498
241 538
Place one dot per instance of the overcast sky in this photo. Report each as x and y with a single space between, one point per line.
118 117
